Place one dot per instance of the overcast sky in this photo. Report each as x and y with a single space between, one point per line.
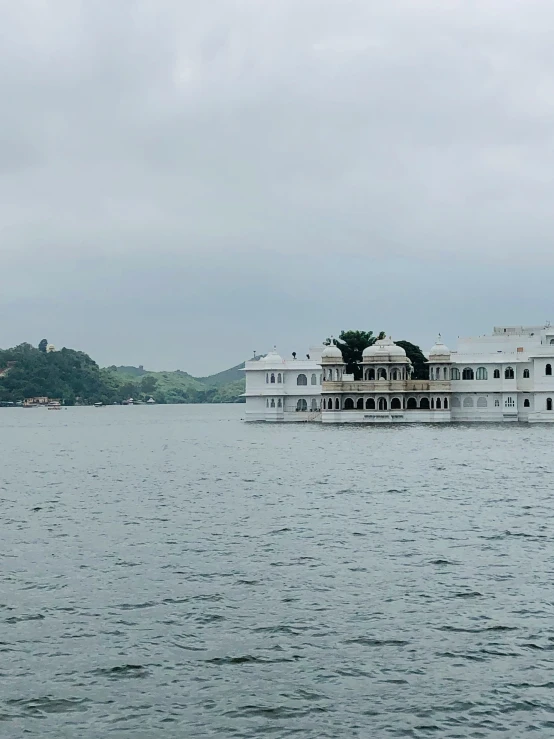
185 181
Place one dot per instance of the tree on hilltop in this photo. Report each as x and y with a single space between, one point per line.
43 345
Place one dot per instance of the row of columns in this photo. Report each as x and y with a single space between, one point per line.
385 404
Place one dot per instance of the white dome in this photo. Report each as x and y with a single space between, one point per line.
272 357
383 349
332 352
370 351
396 351
439 349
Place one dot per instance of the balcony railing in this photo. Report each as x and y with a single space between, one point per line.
388 386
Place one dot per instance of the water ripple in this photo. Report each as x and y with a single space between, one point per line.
171 571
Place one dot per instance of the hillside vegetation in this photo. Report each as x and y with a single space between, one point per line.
73 377
234 374
180 387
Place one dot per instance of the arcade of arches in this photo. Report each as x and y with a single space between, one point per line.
386 403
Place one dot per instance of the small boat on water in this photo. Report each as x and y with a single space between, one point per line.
98 405
54 405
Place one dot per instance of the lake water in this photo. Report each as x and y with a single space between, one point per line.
171 571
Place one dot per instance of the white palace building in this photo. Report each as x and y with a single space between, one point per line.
505 376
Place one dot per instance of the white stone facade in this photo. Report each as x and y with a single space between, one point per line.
506 376
284 390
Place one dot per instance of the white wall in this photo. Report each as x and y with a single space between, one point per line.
385 417
259 392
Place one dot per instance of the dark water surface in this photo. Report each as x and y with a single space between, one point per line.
173 572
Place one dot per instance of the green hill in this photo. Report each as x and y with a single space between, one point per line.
234 374
67 375
130 371
180 387
73 377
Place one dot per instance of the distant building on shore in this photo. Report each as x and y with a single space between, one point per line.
506 376
39 402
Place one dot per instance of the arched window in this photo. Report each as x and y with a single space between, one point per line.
548 369
360 404
468 374
455 402
337 404
370 404
338 375
381 374
424 404
496 374
279 403
432 373
395 404
454 373
497 403
509 373
552 341
446 404
526 374
549 404
468 402
302 404
267 402
314 379
370 374
382 404
301 380
267 377
482 403
273 402
438 404
412 404
272 379
526 403
445 374
482 373
348 404
314 404
432 404
394 374
279 378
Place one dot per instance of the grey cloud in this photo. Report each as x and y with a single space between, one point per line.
234 161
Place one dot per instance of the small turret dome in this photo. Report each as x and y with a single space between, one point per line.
439 349
272 357
332 352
